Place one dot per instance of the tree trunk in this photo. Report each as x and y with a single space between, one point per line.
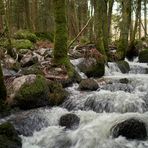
125 26
27 14
61 35
101 26
145 17
110 9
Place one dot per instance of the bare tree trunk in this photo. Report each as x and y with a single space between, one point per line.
145 16
110 9
125 26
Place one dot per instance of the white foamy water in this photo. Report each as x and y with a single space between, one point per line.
98 111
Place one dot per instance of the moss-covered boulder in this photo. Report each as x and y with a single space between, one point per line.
57 94
25 34
22 44
9 137
143 56
123 66
88 84
92 68
32 92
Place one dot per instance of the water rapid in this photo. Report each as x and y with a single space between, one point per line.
98 111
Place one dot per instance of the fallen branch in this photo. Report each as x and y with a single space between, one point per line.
80 32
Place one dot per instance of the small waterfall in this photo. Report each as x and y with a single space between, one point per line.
119 97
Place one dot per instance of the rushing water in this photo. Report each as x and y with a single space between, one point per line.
98 111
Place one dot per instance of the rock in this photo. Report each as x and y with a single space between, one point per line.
57 94
131 129
124 81
4 109
69 121
23 51
9 137
31 91
10 63
34 69
76 78
27 122
25 34
143 56
123 66
28 60
92 68
88 84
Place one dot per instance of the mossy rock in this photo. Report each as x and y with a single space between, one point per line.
33 94
88 84
143 56
25 34
45 36
57 94
34 69
75 78
92 68
23 51
9 137
123 66
22 44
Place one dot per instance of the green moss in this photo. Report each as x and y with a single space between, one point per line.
34 69
45 36
143 56
22 44
9 137
57 94
34 94
123 66
25 34
3 91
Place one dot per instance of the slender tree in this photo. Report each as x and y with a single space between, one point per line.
61 35
125 27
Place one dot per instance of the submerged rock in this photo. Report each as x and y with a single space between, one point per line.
131 129
69 121
92 68
26 123
88 84
9 137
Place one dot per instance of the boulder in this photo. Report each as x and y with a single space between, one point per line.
28 60
92 68
88 84
57 94
131 129
31 91
123 66
143 56
69 121
9 137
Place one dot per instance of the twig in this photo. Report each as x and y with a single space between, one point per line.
80 32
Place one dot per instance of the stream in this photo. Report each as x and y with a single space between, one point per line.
98 111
